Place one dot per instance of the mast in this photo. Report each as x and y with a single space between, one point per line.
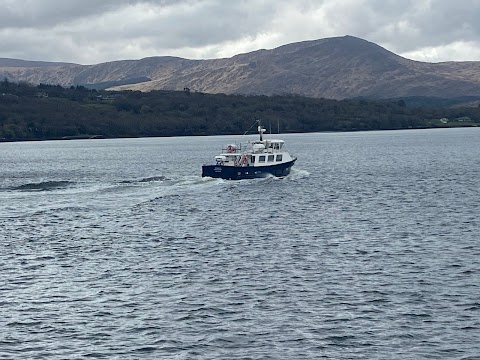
260 130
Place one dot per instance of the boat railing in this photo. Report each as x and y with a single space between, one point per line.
232 148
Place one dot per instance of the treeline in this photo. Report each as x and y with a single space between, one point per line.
54 112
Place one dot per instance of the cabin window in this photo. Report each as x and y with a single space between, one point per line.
261 158
271 158
279 157
252 159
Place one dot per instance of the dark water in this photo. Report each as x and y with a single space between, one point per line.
119 249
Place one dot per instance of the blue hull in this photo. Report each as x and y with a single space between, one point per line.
246 172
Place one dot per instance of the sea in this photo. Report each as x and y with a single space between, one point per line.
119 249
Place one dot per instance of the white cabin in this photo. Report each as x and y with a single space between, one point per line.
256 153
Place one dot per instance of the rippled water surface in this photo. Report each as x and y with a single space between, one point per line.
119 249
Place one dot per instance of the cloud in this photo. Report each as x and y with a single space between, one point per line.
43 14
91 31
464 50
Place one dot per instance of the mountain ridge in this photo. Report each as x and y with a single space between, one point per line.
337 68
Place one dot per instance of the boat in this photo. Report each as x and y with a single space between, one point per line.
255 159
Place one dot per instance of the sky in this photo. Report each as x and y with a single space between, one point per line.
96 31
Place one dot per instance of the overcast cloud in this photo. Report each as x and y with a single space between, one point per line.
90 32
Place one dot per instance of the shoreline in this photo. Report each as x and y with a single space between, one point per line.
102 137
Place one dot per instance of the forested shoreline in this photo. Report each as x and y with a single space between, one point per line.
44 112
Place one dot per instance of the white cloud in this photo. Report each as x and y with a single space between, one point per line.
91 31
459 50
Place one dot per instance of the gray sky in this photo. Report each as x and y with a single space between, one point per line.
95 31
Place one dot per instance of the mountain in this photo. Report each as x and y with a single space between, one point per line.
337 68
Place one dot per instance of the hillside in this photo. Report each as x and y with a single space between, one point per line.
53 112
336 68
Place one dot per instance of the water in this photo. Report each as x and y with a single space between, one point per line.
119 249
